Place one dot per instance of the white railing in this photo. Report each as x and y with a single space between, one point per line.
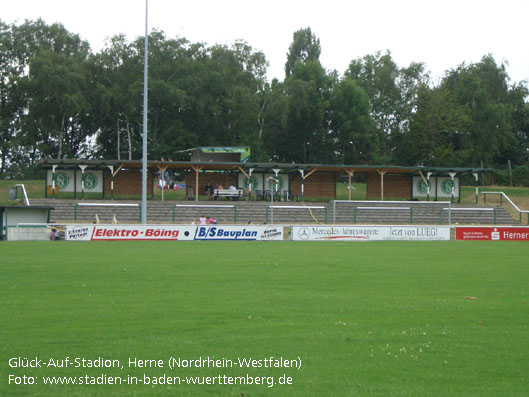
471 210
391 206
202 206
103 205
503 195
21 186
295 207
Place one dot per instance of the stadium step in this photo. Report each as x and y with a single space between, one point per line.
186 212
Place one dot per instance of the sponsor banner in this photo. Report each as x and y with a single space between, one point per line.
128 232
171 232
512 233
369 233
249 232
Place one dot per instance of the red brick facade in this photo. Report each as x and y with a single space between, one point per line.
128 182
395 186
213 178
319 184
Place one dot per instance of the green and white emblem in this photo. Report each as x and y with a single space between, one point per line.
61 180
90 181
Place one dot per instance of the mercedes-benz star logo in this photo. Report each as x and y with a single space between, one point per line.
304 233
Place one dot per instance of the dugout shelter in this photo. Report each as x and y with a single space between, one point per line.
13 218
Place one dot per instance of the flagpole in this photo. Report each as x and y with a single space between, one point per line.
144 158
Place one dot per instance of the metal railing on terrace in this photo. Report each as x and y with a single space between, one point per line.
514 206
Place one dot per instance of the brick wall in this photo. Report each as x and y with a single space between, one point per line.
395 186
319 184
213 178
128 182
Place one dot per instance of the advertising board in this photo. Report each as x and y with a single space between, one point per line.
249 232
171 232
512 233
128 232
369 233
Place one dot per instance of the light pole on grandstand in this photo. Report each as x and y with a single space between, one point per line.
273 182
144 158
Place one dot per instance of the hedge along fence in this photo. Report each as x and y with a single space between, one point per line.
501 177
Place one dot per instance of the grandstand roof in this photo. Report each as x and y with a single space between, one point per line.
258 167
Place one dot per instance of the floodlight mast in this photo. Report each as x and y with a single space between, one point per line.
144 158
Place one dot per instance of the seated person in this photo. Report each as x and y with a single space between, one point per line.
232 187
202 220
212 221
209 190
219 187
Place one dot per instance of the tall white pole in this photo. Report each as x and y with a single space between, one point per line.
144 158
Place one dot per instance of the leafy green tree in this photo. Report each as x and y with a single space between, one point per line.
11 97
305 48
518 146
483 88
352 128
392 93
117 99
436 132
48 64
57 88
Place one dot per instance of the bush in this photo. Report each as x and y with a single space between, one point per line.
520 176
499 177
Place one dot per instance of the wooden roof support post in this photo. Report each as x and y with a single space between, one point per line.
119 169
303 177
197 169
162 173
350 173
312 171
382 172
423 178
248 178
244 172
426 182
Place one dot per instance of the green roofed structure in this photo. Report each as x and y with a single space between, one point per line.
218 154
109 177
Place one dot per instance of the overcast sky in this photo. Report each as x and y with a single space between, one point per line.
441 34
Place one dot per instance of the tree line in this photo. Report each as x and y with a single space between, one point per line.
59 99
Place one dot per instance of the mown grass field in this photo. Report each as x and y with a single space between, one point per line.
380 318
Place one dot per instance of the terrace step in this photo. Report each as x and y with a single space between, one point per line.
256 212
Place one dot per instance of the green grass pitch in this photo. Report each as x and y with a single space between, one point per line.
380 318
